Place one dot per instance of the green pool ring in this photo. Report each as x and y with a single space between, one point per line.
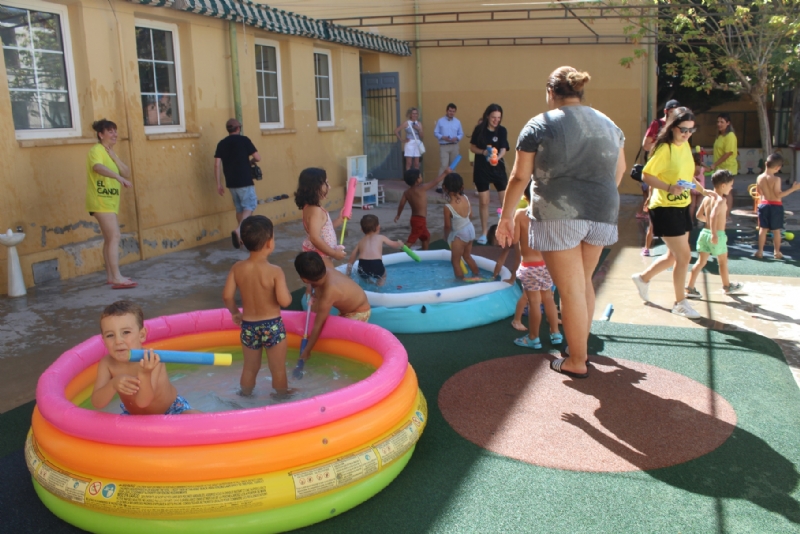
276 520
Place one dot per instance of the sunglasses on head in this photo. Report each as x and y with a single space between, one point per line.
687 130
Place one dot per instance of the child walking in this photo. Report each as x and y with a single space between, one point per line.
536 284
312 189
770 207
143 387
417 197
457 225
369 251
264 292
712 240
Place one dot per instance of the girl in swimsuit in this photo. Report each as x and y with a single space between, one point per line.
457 226
312 189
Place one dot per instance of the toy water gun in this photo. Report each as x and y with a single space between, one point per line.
347 210
687 185
180 356
492 156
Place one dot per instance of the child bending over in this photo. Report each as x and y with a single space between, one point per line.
417 197
457 225
369 251
770 207
712 240
264 292
312 190
143 387
333 290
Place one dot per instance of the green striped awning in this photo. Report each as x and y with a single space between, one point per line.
285 22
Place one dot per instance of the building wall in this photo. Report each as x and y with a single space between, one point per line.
173 204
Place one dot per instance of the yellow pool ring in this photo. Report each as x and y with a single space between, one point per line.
230 495
229 460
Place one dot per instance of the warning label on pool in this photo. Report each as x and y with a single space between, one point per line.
56 481
336 474
398 443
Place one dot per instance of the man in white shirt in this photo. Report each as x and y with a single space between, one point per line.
448 131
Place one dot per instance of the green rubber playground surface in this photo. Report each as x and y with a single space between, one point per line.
748 484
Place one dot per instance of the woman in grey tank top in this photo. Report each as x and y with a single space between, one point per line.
575 156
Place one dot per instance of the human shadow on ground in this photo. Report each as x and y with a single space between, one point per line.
743 467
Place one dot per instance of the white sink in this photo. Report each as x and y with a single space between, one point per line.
16 283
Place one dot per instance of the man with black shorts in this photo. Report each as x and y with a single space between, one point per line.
234 155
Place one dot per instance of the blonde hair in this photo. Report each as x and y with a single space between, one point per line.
567 82
410 110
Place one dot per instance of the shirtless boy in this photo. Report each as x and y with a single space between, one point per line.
143 387
712 240
332 289
417 197
264 292
369 251
770 207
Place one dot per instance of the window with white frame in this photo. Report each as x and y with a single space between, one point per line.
323 83
39 70
268 81
159 76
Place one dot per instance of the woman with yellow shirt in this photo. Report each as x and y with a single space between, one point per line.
105 173
726 150
669 205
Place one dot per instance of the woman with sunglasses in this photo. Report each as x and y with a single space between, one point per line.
669 205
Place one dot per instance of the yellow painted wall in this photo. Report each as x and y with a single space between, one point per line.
174 204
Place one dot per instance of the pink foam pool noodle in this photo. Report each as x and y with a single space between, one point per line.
347 210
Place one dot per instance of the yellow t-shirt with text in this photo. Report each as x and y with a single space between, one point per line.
669 164
102 193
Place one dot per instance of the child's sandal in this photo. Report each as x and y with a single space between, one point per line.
556 338
528 343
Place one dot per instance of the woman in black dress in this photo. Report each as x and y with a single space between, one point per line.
489 134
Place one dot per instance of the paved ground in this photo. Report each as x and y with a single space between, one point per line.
37 328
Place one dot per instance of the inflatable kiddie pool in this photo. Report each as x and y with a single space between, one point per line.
267 469
443 309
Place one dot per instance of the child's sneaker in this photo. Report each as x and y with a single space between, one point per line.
684 309
642 286
645 252
693 293
733 289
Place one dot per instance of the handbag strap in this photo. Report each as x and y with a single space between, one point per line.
638 154
413 131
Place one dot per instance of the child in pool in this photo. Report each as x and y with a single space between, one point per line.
417 197
712 239
457 226
369 251
143 387
312 189
264 292
333 290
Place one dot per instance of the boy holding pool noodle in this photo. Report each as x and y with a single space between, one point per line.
369 251
417 197
264 292
143 387
333 290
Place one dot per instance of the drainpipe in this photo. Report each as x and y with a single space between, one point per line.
418 60
237 92
651 67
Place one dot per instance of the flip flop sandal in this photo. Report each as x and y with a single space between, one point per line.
556 338
126 285
556 364
235 240
528 343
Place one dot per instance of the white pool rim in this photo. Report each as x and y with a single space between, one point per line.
434 296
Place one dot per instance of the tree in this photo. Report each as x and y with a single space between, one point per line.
746 48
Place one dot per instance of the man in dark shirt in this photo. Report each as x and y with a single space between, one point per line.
233 155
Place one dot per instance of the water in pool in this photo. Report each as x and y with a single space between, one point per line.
411 277
214 388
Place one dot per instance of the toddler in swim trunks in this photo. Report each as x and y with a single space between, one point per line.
333 290
417 197
712 240
369 251
264 292
312 190
143 387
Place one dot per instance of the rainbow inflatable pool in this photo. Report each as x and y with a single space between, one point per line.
267 469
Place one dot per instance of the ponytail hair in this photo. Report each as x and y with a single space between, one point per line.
568 82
